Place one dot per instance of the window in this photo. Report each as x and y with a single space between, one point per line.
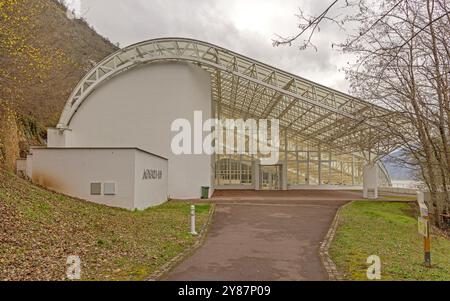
234 170
109 189
96 188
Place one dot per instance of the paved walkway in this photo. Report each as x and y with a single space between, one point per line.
265 236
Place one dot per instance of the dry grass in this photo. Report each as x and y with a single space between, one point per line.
40 229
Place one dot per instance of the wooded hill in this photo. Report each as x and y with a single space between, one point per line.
43 54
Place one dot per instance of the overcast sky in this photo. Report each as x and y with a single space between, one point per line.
244 26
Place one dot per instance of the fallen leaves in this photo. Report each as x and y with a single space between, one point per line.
39 229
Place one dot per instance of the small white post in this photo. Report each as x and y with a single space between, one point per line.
193 231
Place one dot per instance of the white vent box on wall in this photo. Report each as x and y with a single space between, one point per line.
109 189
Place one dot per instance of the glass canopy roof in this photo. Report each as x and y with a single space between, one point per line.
311 116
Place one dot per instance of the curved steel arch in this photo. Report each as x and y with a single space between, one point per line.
310 110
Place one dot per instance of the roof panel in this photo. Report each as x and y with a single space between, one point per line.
246 88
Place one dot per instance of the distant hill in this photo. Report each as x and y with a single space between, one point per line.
397 170
43 54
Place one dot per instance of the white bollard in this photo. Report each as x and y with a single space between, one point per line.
420 197
193 231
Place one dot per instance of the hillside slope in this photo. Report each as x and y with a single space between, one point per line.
40 229
43 54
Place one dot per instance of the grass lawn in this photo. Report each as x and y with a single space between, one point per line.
39 229
389 230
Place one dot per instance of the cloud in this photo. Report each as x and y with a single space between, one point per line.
246 27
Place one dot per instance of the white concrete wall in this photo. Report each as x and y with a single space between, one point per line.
137 108
323 187
30 166
370 181
56 138
150 192
256 174
71 171
399 190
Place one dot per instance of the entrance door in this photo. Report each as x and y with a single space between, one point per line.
271 177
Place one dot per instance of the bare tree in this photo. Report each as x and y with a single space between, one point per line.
402 51
308 26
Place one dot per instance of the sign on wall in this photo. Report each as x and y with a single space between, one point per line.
152 174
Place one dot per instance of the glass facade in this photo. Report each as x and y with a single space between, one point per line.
234 170
305 165
323 168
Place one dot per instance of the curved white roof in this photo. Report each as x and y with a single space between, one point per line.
245 88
